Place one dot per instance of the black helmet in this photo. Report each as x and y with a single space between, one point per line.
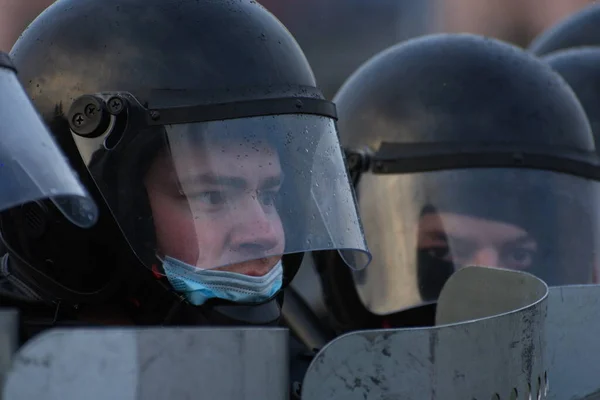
465 150
579 67
577 30
198 127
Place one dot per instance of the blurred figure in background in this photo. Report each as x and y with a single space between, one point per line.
337 36
15 15
515 21
579 29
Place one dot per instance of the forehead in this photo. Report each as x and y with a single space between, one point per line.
185 148
245 158
473 228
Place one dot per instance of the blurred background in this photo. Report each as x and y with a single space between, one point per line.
339 35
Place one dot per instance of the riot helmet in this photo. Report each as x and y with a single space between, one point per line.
579 67
32 167
577 30
199 127
464 151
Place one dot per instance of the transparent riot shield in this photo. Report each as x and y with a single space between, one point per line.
152 364
32 165
573 342
488 343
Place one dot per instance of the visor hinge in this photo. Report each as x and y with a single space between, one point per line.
90 116
358 161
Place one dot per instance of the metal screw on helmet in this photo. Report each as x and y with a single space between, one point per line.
155 115
88 116
379 167
90 110
299 104
78 119
115 105
518 158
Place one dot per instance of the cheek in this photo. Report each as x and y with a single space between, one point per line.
279 231
175 233
210 238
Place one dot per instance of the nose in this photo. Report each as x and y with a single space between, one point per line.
257 230
486 257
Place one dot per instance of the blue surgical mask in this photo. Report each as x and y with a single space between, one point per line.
200 285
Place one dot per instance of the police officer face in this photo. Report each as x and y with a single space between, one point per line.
467 240
216 202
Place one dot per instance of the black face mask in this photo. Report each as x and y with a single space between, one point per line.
432 274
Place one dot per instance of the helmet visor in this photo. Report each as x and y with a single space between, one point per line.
32 167
237 194
424 226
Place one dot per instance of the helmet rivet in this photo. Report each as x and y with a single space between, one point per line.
78 119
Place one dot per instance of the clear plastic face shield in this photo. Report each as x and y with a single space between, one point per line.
425 225
32 167
229 194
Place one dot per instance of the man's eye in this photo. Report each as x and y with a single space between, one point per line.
211 198
519 258
439 252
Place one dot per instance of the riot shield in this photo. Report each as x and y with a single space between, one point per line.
491 346
573 342
152 363
9 338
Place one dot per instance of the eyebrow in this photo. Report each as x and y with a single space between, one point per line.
233 181
449 237
520 241
523 240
